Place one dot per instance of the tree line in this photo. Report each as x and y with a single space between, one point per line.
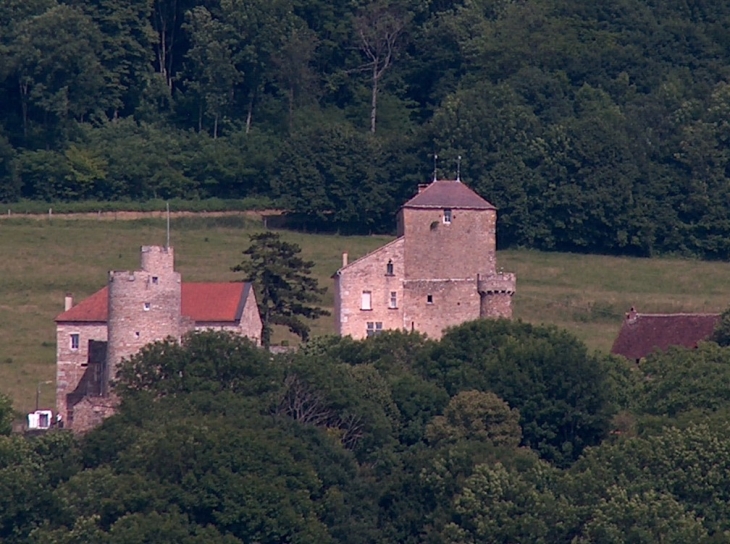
591 126
499 432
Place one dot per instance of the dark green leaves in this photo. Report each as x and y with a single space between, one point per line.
286 290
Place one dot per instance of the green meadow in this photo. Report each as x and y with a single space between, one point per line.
43 259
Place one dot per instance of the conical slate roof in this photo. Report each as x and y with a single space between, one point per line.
448 194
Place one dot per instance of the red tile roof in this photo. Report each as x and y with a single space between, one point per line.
203 302
641 334
214 301
448 194
92 309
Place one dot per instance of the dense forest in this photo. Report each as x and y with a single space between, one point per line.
500 432
593 126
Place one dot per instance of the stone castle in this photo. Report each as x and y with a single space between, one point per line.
441 270
134 309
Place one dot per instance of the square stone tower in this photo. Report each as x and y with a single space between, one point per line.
440 272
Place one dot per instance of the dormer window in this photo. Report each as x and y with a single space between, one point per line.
447 216
389 268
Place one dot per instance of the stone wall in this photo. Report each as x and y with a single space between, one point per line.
497 305
91 411
370 274
459 250
496 292
144 305
433 305
251 324
71 365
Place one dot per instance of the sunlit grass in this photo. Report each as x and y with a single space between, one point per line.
45 259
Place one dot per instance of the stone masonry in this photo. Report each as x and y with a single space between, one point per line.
136 308
441 270
144 306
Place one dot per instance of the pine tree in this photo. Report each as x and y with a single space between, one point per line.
285 289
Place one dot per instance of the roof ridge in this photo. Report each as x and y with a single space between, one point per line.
678 314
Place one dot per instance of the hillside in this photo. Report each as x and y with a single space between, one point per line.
593 127
45 259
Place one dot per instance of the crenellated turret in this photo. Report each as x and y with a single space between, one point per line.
495 294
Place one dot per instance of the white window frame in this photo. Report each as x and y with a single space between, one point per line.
374 328
393 302
74 338
366 300
447 216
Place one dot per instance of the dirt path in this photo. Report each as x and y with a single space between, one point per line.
131 216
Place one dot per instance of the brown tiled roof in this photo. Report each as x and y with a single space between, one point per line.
641 334
203 302
448 194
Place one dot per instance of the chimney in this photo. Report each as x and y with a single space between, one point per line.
344 260
422 187
631 315
68 302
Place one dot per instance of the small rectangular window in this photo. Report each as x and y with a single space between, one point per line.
366 302
389 268
429 299
75 341
447 216
146 306
393 299
155 280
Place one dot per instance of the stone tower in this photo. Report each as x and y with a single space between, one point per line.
144 306
440 272
449 254
495 295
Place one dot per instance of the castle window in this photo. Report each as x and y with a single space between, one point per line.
393 299
447 216
155 280
146 306
75 341
366 303
374 328
389 268
429 299
136 334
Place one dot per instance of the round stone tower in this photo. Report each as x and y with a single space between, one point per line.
144 306
495 295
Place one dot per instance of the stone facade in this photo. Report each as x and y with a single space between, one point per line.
144 305
137 308
380 274
441 270
76 371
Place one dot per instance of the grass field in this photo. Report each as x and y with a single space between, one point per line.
45 259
